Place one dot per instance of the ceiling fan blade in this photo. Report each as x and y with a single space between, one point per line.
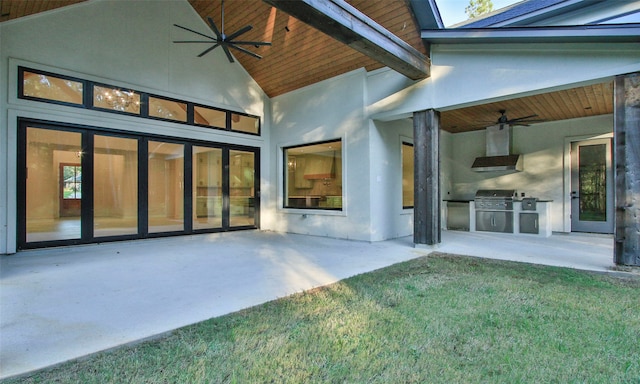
239 32
251 42
246 51
209 49
193 41
197 33
226 51
523 118
214 28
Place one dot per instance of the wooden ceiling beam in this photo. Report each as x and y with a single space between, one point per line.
346 24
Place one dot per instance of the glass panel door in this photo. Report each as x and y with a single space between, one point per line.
115 204
166 187
207 193
241 188
53 184
591 186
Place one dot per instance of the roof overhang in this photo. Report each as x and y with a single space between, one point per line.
619 33
346 24
427 14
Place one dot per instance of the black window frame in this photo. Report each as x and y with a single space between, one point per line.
21 95
285 176
91 105
87 102
88 133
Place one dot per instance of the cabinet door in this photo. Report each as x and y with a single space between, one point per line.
484 221
529 223
503 222
494 221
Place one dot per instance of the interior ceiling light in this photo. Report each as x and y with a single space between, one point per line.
222 40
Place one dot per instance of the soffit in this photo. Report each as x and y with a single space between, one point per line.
590 100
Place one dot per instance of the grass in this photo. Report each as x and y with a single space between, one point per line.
436 319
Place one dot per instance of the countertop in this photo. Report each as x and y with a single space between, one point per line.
514 200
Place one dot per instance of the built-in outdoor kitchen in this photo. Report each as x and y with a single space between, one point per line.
499 209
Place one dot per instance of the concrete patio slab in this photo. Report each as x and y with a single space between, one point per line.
63 303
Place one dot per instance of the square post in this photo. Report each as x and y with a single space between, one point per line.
426 147
627 167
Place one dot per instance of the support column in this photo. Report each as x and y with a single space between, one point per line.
426 179
627 166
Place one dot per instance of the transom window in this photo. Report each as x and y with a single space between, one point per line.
49 87
313 176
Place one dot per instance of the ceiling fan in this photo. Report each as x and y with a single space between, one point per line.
222 40
503 119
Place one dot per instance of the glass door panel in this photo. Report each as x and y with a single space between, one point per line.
166 187
53 185
592 186
241 188
115 205
207 194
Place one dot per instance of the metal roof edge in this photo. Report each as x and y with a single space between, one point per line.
554 34
427 14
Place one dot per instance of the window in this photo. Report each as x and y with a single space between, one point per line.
243 123
210 117
71 181
50 87
114 99
407 175
313 176
167 109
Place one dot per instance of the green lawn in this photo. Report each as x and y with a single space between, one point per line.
436 319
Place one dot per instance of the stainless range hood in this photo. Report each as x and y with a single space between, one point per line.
498 151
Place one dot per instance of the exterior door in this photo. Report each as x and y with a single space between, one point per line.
591 186
78 185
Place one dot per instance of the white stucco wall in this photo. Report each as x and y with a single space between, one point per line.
336 108
332 109
389 219
127 44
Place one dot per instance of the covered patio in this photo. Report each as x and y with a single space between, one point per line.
64 303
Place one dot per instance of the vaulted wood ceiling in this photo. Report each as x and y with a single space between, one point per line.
301 56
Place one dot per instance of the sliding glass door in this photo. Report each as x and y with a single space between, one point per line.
166 187
53 185
208 181
80 185
115 186
241 188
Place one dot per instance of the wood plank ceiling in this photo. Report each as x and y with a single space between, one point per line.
301 56
590 100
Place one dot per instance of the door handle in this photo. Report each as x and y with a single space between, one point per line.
574 195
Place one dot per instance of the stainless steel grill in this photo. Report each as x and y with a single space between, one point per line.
494 210
494 199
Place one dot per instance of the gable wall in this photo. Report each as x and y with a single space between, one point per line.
123 43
